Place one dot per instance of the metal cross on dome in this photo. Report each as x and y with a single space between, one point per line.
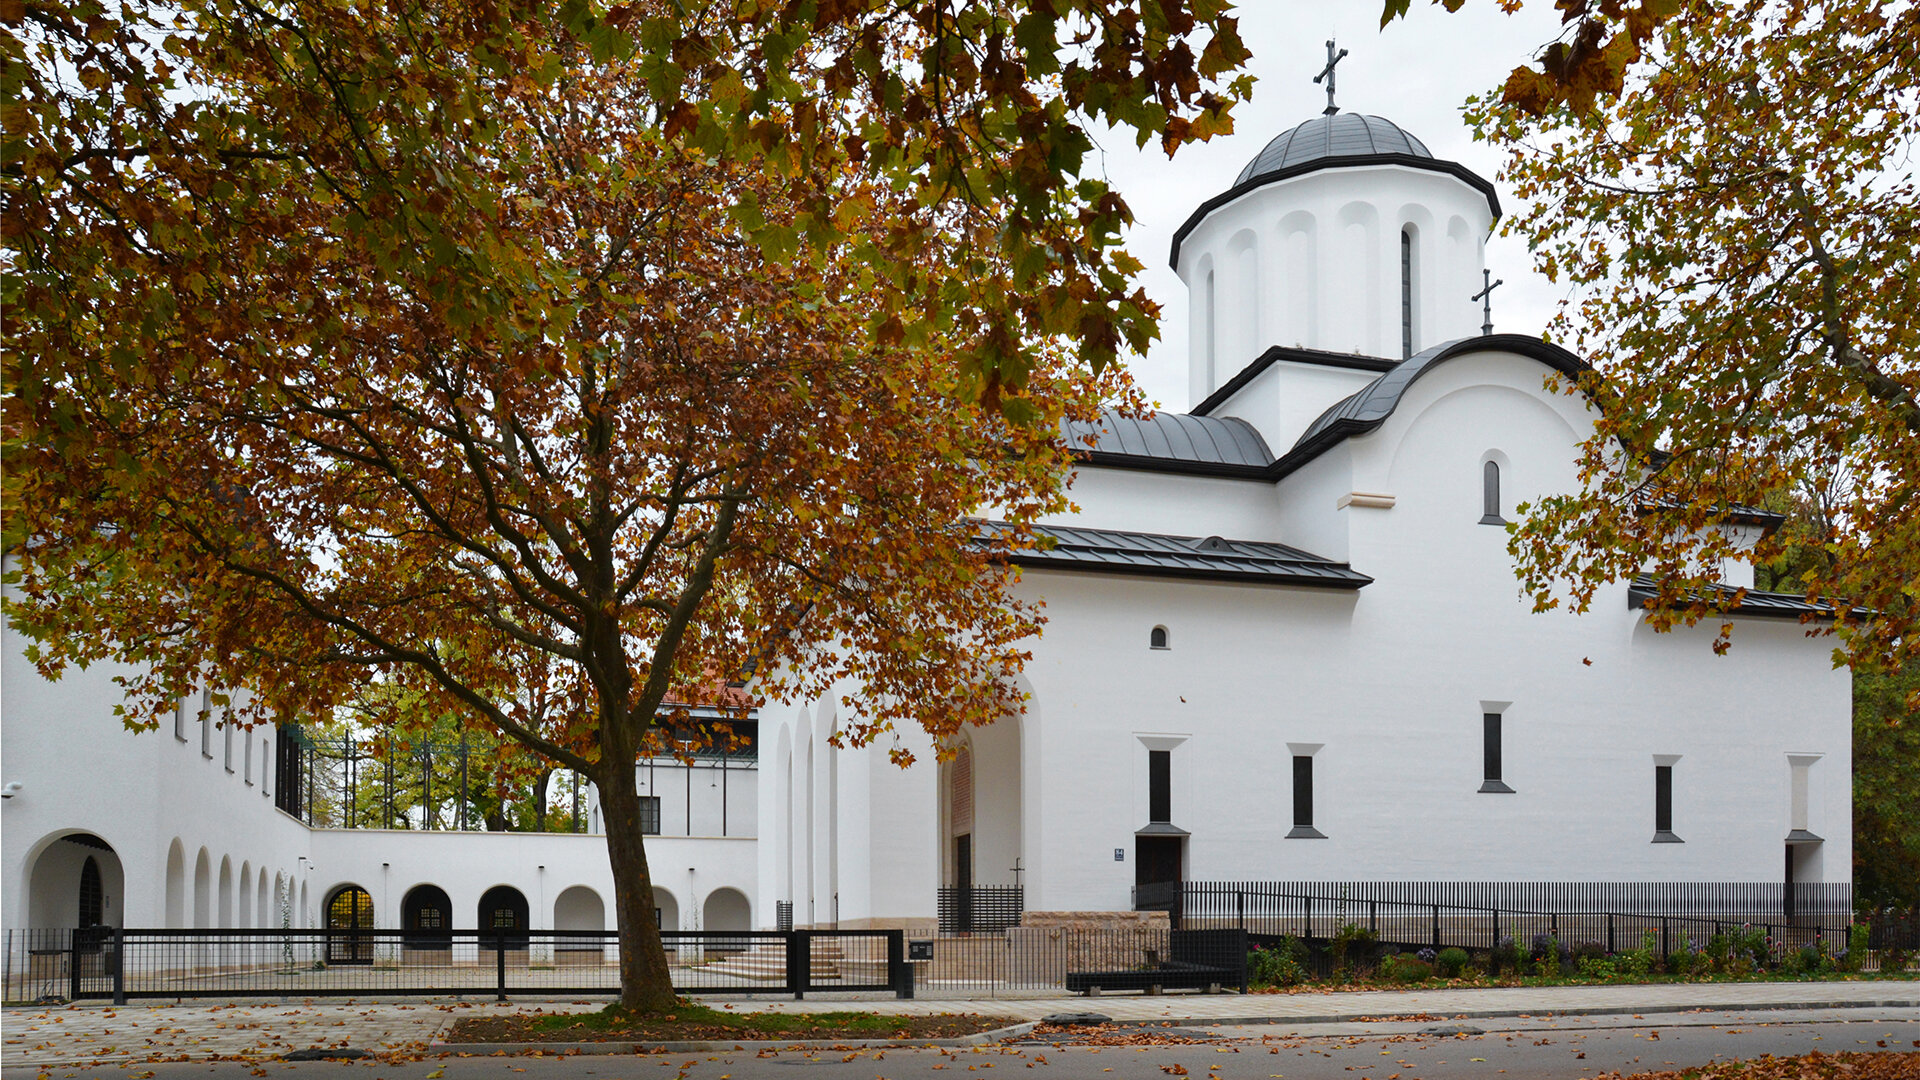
1327 74
1485 296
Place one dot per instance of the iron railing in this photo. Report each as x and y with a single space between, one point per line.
1477 915
987 909
123 964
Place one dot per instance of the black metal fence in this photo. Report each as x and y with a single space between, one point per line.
1024 961
124 964
987 909
1477 915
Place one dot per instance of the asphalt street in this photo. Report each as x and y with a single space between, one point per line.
1546 1048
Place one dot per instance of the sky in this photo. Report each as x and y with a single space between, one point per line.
1417 73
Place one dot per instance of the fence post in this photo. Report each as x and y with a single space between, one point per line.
73 965
1309 909
500 967
1240 903
799 962
1436 926
1665 949
119 965
1609 932
1373 922
899 972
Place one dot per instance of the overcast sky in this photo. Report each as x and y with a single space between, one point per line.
1417 73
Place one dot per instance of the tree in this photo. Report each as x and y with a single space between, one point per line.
560 363
1727 192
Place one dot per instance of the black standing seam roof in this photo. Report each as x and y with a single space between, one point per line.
1339 135
1344 140
1355 414
1066 547
1645 590
1171 437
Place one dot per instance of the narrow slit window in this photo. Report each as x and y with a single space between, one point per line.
226 741
1490 753
1663 805
1159 785
1303 799
1490 494
180 719
247 763
206 726
1406 292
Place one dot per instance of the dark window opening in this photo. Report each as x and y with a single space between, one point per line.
1159 785
93 898
349 916
1490 494
650 815
1303 799
504 918
288 771
1406 292
426 918
1663 805
1490 754
1158 638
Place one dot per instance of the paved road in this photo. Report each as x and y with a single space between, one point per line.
1546 1049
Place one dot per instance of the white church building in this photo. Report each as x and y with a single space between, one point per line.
1285 642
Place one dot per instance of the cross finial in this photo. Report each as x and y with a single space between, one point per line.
1327 74
1485 296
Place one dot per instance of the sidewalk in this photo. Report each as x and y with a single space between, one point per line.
138 1032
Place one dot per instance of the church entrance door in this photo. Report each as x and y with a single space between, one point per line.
1157 859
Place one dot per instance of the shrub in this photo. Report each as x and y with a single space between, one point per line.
1855 956
1596 967
1685 959
1282 963
1506 953
1344 940
1589 950
1450 963
1426 955
1409 969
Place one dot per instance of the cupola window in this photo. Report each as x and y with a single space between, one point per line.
1406 292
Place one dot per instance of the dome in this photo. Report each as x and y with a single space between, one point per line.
1342 135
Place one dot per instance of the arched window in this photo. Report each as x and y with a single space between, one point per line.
1158 638
1212 327
1406 292
93 900
1490 494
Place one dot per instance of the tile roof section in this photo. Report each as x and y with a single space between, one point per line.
1064 547
1172 438
1339 135
1645 589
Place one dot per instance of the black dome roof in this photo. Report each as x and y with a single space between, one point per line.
1339 135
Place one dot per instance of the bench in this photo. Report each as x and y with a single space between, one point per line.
1197 960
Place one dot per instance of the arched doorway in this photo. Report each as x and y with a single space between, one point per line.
504 918
579 909
426 922
666 910
349 917
981 830
74 887
726 909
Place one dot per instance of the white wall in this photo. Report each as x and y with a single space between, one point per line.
1327 266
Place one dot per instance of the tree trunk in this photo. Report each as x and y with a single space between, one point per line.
645 983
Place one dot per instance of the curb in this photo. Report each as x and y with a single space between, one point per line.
1535 1013
1017 1030
556 1049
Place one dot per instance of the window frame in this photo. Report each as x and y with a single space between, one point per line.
1493 754
1663 804
1490 497
1303 828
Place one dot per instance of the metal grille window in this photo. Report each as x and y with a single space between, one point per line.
650 815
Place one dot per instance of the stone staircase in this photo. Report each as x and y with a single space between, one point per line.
767 962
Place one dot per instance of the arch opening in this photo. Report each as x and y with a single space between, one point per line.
349 917
504 919
726 910
578 909
426 920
